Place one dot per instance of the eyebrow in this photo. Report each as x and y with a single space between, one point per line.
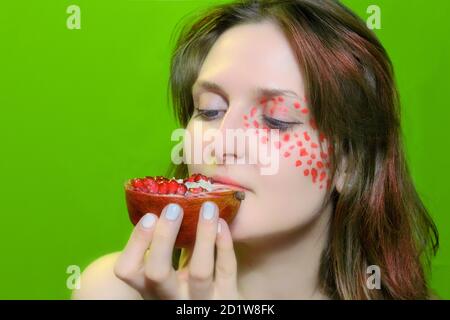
261 92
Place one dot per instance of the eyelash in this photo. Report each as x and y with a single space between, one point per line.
203 113
272 123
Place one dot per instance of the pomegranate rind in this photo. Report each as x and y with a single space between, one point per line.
139 203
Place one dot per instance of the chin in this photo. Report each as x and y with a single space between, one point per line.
247 230
250 229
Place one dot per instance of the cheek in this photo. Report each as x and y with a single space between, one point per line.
304 150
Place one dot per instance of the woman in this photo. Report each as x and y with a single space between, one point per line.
342 202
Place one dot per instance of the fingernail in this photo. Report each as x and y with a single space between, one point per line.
208 210
148 220
219 227
172 212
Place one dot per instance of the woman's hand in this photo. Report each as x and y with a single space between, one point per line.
151 272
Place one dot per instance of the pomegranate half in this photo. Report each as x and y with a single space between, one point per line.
152 194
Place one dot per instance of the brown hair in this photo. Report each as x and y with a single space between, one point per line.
378 217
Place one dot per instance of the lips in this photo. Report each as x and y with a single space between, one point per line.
229 182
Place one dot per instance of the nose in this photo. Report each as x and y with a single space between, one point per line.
232 135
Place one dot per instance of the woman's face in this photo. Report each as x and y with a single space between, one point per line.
251 80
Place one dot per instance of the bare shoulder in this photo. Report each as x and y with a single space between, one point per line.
98 282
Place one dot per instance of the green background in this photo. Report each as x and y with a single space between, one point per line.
83 110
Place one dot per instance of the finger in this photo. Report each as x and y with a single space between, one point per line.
131 260
201 268
159 272
226 264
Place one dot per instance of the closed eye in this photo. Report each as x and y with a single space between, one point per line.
209 114
273 123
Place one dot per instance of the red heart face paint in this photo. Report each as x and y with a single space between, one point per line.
303 145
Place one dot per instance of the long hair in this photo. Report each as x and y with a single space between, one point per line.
378 217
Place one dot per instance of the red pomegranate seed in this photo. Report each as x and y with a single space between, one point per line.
201 177
163 188
172 186
181 189
137 183
153 188
149 182
196 190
